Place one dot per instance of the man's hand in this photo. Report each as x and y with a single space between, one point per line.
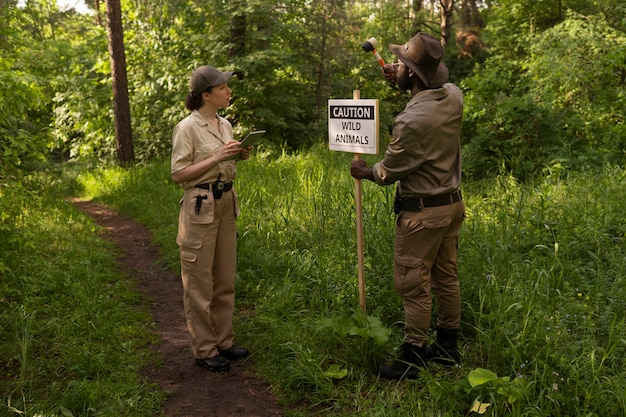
390 71
360 170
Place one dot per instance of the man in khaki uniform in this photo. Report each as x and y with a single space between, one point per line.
203 162
424 159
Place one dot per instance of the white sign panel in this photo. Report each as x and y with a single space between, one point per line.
353 126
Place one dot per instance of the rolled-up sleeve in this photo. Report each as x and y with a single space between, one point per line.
182 149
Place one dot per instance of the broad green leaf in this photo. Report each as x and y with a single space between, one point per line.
480 376
66 412
336 372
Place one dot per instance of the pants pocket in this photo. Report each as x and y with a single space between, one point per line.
407 276
199 207
189 247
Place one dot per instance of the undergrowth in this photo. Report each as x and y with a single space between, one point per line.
542 268
74 333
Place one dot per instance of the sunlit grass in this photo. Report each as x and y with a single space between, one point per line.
74 331
542 274
542 269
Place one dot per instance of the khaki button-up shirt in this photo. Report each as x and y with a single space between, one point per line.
425 152
194 140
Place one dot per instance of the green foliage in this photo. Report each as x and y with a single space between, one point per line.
563 105
20 98
543 267
542 272
360 324
522 112
290 59
491 387
586 90
615 12
65 58
513 23
74 333
164 43
83 115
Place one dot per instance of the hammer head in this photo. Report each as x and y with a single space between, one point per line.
369 45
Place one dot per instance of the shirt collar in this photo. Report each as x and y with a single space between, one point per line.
202 122
428 95
197 117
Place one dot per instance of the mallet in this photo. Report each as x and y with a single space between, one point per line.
370 46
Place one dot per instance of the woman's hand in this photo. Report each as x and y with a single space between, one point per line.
229 150
245 153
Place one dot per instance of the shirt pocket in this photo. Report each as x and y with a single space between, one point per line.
207 149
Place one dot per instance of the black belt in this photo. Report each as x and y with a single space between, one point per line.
417 204
207 186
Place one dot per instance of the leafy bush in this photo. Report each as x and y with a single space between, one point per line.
20 102
563 104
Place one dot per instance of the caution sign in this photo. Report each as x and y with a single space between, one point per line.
353 126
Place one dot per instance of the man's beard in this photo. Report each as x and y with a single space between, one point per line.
404 82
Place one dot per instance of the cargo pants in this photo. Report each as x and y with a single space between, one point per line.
425 261
207 241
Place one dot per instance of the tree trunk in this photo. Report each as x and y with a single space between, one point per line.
470 15
416 8
324 20
238 27
4 22
447 7
121 106
96 7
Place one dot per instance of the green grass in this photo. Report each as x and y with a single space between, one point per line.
74 332
542 268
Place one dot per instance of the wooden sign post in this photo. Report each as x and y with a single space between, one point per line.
353 127
358 195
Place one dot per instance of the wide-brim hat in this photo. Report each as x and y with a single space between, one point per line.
423 54
205 77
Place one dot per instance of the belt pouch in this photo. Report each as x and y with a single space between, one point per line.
218 188
396 203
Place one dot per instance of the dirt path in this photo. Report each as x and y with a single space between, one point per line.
194 391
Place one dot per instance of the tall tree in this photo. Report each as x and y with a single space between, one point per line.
470 15
238 28
447 8
416 8
119 78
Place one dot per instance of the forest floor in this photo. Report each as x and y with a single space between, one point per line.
193 391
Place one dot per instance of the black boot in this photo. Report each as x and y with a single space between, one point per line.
445 350
408 364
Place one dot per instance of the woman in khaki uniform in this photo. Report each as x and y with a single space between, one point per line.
204 159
